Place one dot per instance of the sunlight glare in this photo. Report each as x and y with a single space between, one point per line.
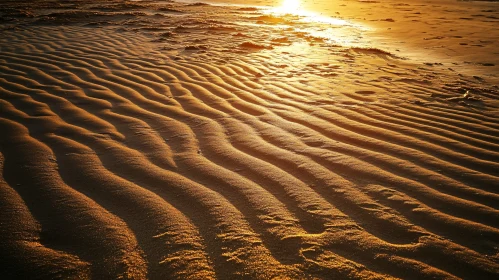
290 6
294 7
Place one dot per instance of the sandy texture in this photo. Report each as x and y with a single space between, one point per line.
186 141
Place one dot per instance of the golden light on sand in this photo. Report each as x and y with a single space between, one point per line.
184 140
290 6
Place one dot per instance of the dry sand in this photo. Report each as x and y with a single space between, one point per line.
165 140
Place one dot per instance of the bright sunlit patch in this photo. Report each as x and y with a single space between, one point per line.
290 6
312 29
294 7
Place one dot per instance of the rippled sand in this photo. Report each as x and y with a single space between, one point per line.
187 141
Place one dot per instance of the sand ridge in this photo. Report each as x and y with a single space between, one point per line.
185 141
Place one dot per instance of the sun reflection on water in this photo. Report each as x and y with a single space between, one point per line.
331 29
294 7
289 6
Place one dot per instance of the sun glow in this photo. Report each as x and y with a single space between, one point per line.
319 29
290 6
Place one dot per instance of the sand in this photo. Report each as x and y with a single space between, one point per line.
163 140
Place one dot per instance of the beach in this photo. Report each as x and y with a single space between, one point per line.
237 140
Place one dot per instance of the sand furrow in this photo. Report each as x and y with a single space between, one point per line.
110 190
169 240
68 217
366 135
352 139
20 235
453 117
471 190
432 168
458 230
135 129
480 150
277 157
159 257
137 172
386 178
473 137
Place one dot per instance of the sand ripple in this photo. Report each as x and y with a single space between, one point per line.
122 158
